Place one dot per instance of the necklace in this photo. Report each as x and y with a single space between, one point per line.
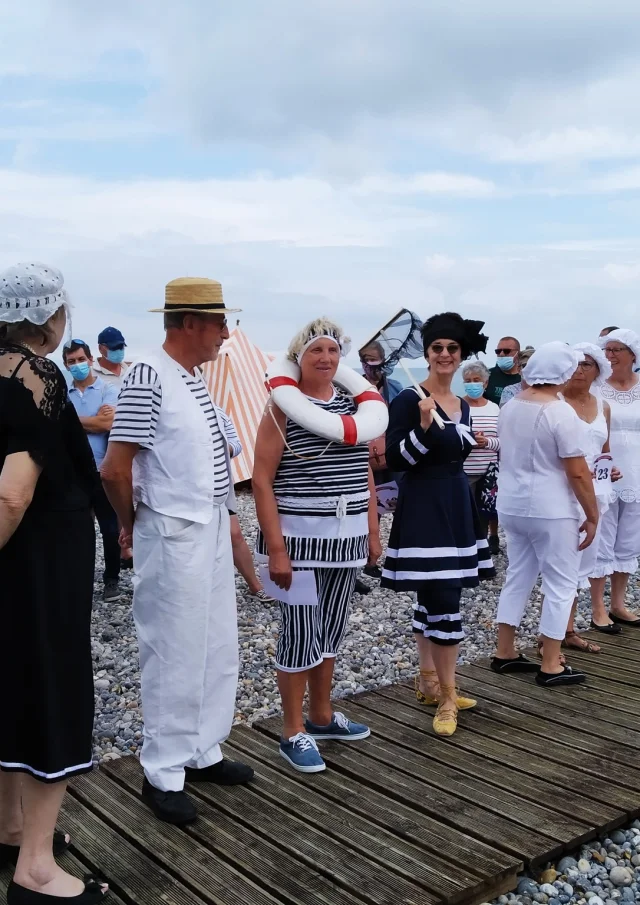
27 346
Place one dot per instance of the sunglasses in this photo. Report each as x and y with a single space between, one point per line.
505 351
451 348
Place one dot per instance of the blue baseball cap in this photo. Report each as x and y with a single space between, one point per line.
111 337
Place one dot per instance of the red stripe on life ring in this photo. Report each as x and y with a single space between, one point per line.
350 430
368 396
276 382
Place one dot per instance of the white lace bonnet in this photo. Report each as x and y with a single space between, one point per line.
600 359
31 292
625 337
553 363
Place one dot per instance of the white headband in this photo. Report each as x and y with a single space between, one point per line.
343 344
553 363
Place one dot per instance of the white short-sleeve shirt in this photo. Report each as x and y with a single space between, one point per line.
534 439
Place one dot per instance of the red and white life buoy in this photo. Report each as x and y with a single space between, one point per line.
369 422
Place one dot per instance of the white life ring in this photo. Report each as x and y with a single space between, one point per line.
369 422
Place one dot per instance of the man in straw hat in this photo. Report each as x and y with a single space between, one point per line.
167 474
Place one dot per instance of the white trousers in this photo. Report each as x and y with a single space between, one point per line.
546 547
619 545
184 607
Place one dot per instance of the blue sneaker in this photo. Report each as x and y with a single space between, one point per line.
302 753
339 728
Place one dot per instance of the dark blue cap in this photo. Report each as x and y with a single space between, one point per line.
111 337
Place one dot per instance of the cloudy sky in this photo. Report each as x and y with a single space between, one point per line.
328 158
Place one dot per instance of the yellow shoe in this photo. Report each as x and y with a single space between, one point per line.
430 701
445 722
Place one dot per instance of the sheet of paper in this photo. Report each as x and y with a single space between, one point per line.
303 590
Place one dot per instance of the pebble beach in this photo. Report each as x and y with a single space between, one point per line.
378 650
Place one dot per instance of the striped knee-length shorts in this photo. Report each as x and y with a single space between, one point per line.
309 634
436 614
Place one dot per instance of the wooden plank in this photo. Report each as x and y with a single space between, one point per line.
396 780
71 864
586 692
133 874
546 760
605 659
626 677
344 865
449 878
444 878
265 864
578 802
194 867
578 711
594 756
403 820
628 640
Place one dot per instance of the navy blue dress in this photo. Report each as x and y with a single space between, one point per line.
437 540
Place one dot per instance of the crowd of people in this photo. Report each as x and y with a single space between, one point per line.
544 445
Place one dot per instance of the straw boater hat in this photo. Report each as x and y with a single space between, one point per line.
195 294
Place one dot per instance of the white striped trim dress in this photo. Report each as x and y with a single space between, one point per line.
437 543
323 503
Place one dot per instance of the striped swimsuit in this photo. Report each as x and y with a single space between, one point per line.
323 502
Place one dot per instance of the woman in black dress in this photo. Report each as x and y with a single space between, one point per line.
437 546
47 551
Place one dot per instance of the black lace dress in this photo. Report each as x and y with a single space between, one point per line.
46 578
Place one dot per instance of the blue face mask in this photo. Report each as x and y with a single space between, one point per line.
80 371
115 356
474 390
505 363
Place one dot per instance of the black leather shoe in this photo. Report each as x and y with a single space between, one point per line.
362 587
224 773
172 807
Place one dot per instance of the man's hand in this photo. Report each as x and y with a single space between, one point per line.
126 539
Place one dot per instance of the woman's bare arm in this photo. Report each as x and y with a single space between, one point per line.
18 481
267 456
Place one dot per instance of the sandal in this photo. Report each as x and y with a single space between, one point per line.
445 722
93 893
580 643
9 853
563 659
432 701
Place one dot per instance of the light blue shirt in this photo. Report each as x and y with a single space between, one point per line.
88 403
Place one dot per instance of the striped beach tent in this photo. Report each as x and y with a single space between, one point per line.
236 384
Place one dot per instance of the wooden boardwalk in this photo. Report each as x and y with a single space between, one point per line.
403 817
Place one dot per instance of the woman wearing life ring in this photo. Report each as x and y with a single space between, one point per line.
316 511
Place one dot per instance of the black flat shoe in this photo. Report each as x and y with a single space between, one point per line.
494 544
9 853
93 893
373 572
606 629
568 676
172 807
361 587
618 620
515 664
224 773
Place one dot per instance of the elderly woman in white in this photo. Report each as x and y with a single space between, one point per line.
619 546
544 480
